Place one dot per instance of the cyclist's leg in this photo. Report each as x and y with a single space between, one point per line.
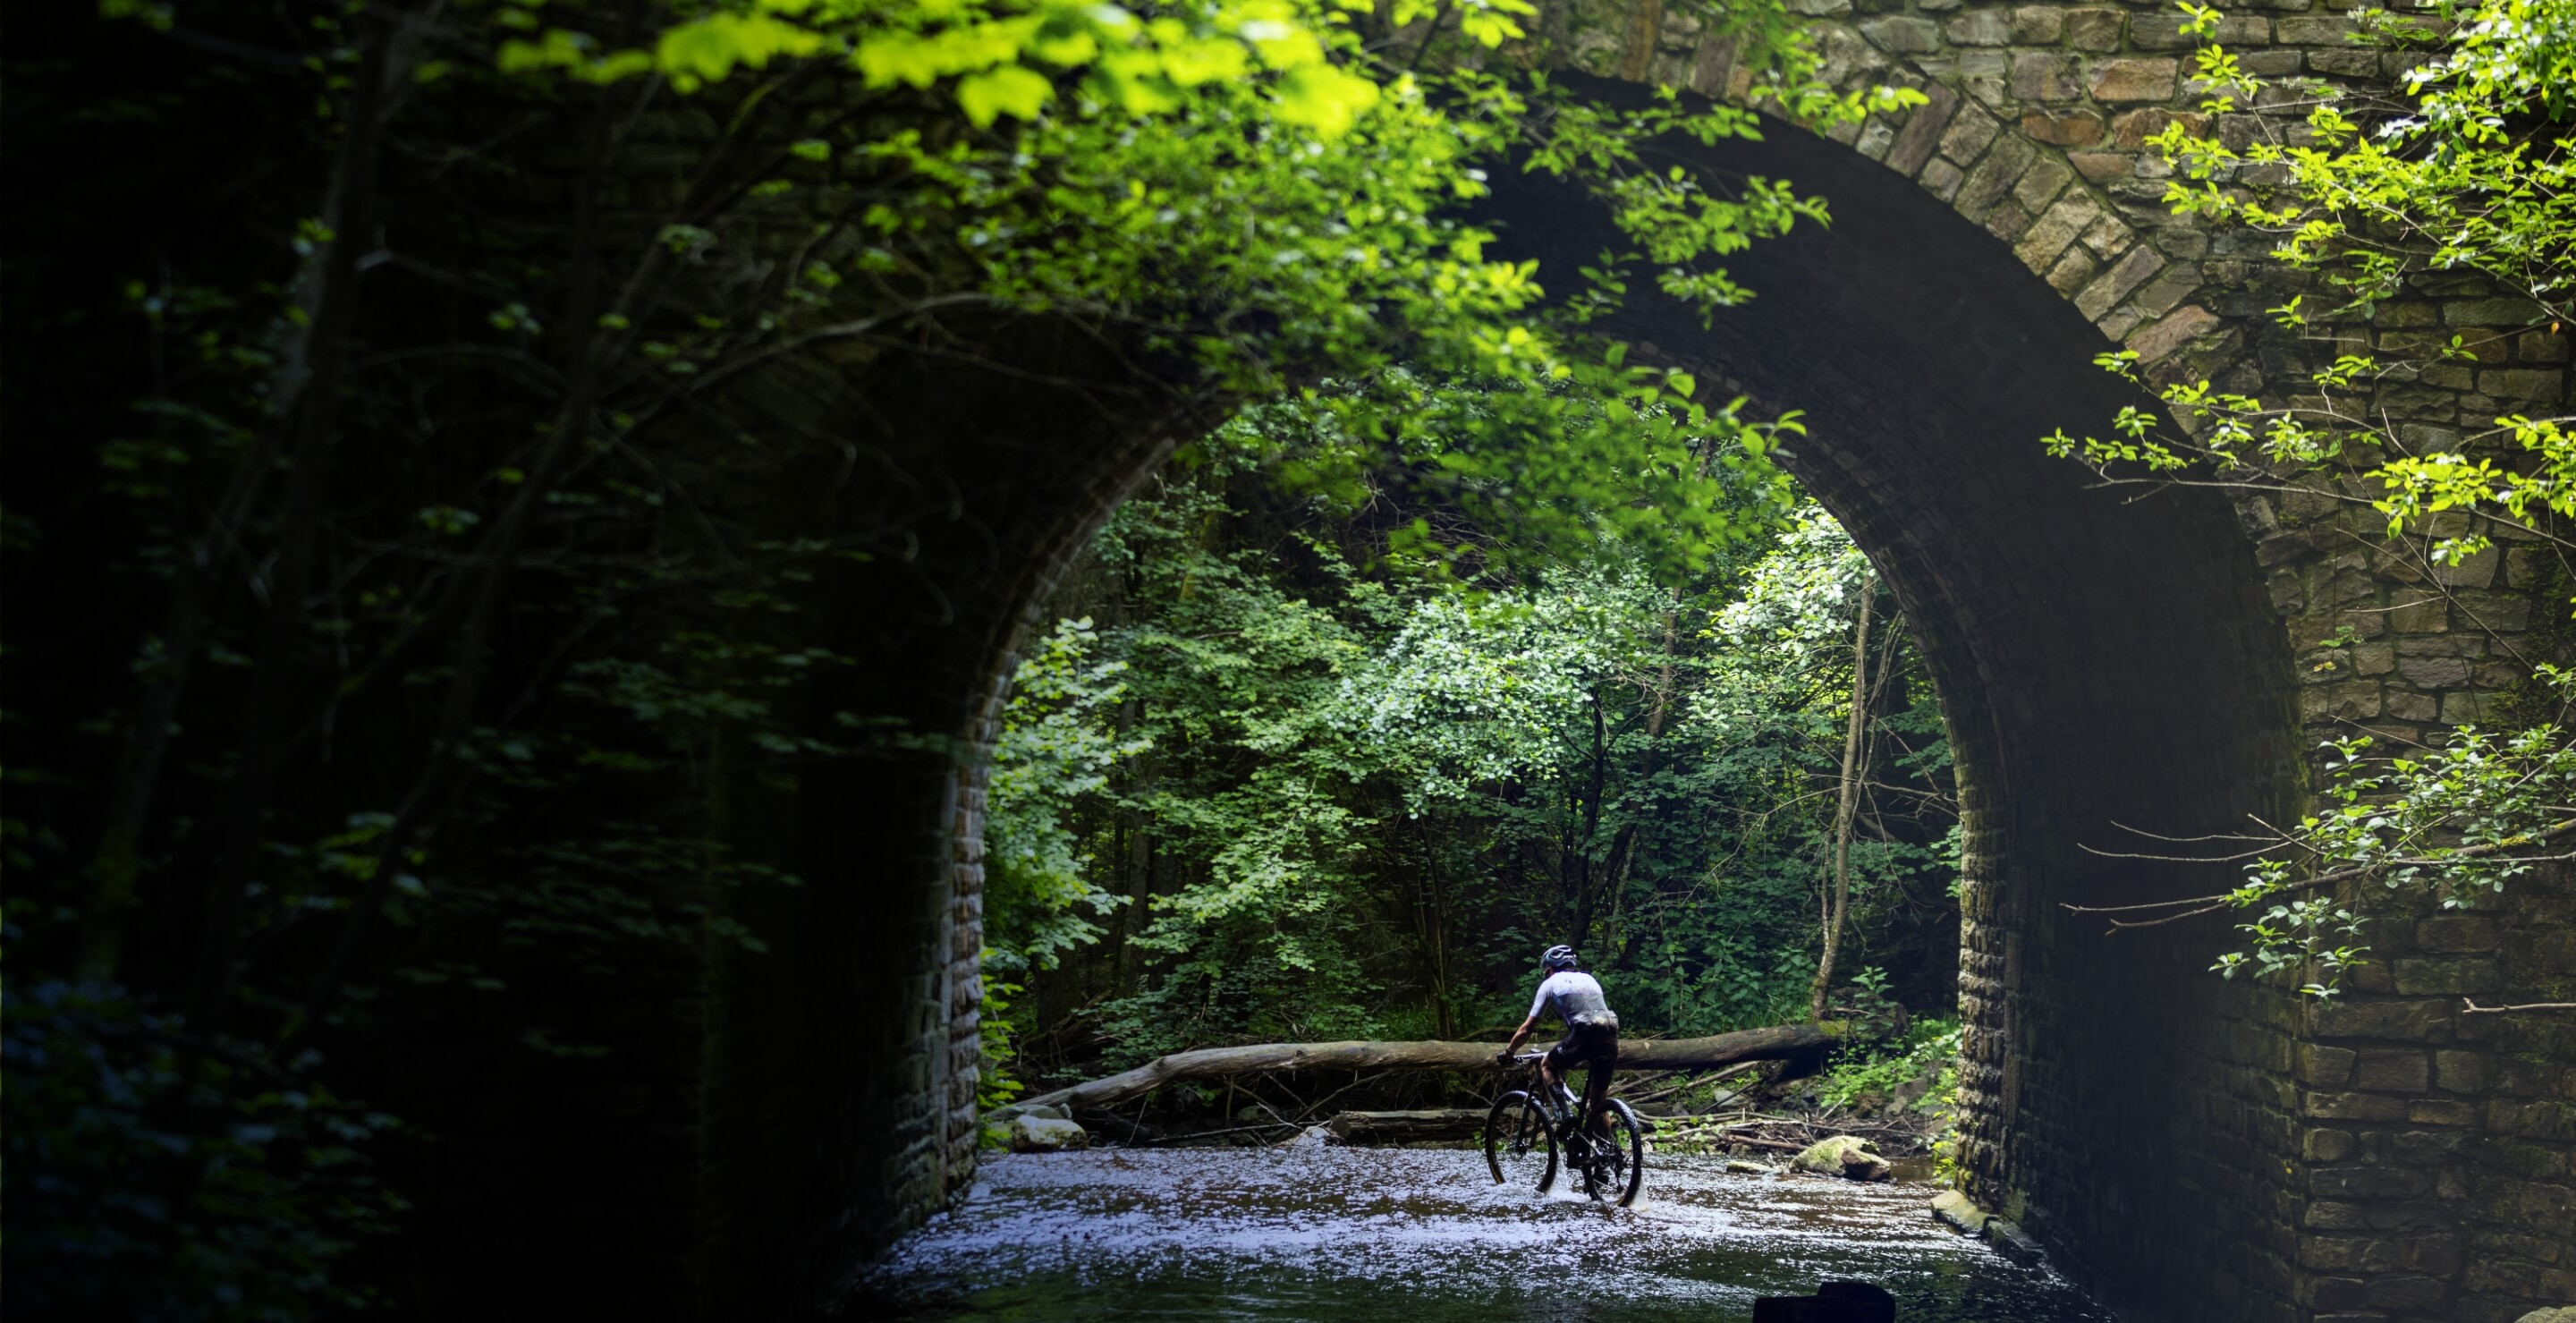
1567 1054
1603 1058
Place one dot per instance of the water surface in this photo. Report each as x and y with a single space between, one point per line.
1340 1235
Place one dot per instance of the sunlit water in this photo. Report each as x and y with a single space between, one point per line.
1424 1236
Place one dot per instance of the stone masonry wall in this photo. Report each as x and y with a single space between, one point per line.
2329 1194
2407 1160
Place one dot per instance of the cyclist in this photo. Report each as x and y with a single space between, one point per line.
1591 1033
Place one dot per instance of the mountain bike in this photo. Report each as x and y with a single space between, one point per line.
1529 1125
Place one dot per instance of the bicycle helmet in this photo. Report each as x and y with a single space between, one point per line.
1557 957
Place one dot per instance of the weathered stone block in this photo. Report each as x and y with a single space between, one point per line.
2100 165
2269 64
2107 236
2064 128
1875 138
2130 129
2545 384
2038 25
2429 615
2041 183
2327 1106
1969 132
2168 289
2344 63
1982 27
2356 700
2410 1021
2326 1066
2116 325
2408 1294
2367 1183
2072 270
2344 1254
2173 332
2434 672
2095 29
2115 284
2039 76
2490 312
2313 31
1992 179
2395 1071
2131 80
2337 1292
2163 31
1903 36
2456 932
2427 1148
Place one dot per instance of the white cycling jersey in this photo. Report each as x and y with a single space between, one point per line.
1571 993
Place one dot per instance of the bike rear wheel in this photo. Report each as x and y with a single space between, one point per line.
1520 1149
1615 1169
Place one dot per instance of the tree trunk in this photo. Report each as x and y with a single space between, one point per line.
1854 749
276 667
1407 1127
1776 1043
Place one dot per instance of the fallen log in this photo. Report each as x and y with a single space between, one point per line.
1443 1123
1778 1042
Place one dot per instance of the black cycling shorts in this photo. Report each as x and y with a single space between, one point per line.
1592 1047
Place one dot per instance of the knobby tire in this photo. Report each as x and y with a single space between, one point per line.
1518 1139
1618 1172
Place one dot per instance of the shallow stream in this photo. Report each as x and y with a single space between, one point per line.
1352 1235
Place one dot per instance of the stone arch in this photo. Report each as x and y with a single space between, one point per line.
2101 661
801 1109
2035 129
2100 656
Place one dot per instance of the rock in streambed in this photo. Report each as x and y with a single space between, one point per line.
1046 1134
1843 1155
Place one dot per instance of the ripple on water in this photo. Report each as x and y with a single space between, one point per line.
1425 1236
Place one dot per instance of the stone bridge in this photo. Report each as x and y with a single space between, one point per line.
2187 1148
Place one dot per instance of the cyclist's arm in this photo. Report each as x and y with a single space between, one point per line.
1519 1036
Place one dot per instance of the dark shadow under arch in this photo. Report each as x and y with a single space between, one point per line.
2103 659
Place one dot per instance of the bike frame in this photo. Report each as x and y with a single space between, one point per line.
1564 1110
1552 1115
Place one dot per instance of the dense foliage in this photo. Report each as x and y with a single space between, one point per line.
2466 171
415 571
1257 787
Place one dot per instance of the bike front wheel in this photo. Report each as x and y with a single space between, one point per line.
1615 1169
1519 1147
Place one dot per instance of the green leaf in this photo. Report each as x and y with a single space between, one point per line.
707 50
1009 90
1324 98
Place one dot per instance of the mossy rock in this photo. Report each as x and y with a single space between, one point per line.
1847 1156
